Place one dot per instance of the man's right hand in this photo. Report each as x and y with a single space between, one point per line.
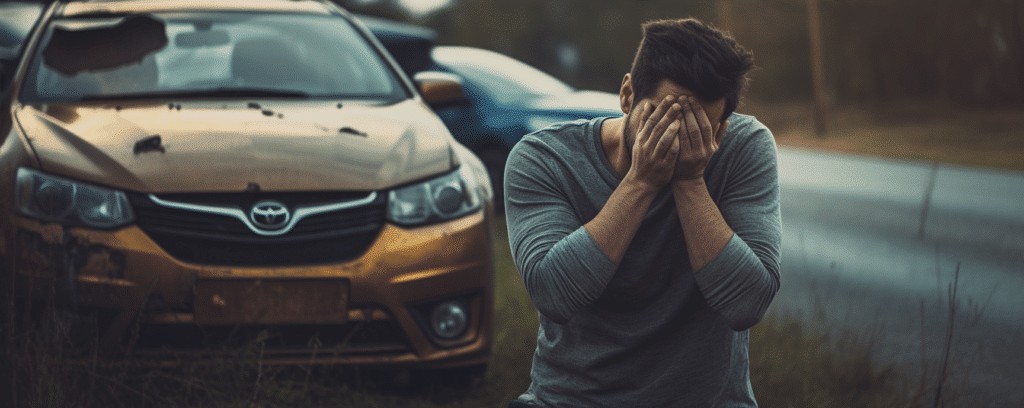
656 146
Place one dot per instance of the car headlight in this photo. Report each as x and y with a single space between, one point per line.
440 199
55 199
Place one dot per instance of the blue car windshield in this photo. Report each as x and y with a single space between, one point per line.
207 53
506 80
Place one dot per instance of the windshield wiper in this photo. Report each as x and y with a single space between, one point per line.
205 93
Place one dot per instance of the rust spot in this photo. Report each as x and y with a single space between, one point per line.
63 257
101 261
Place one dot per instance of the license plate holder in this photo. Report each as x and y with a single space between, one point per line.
271 301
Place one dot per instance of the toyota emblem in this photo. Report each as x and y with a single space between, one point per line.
269 215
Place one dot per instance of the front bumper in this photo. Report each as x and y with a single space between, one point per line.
381 300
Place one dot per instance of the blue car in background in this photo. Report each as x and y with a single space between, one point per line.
16 20
504 98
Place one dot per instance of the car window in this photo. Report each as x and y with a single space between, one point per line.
506 80
175 53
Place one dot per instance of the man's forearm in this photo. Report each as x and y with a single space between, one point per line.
651 162
705 230
615 225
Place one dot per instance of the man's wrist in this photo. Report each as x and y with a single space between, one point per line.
638 185
688 177
689 185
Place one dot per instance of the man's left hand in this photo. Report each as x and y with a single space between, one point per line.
698 140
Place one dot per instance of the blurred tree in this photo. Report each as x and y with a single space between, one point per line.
874 51
776 32
604 33
817 67
964 52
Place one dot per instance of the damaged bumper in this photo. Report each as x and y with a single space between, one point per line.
380 308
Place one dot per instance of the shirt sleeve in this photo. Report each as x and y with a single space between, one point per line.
562 267
741 281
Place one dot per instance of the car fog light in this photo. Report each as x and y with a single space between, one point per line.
449 320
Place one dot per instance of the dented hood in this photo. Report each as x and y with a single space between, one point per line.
217 146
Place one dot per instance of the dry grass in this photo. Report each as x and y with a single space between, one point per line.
792 365
44 375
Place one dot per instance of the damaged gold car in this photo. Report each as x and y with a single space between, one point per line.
188 175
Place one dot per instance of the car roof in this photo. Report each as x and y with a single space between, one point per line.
134 6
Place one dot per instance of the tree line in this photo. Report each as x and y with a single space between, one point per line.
873 51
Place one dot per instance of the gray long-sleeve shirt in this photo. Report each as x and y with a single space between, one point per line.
652 331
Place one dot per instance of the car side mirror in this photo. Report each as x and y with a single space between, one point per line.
440 89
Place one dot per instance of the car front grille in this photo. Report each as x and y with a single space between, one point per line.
191 234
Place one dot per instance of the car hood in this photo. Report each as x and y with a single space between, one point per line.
217 146
595 102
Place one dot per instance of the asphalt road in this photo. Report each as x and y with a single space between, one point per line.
873 247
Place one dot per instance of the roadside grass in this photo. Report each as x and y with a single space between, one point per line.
792 365
926 132
36 370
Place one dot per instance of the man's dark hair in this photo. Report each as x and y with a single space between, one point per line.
693 55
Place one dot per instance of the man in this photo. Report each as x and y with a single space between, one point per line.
650 243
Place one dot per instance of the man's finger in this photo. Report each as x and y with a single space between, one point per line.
692 128
671 115
721 132
658 121
707 131
670 133
638 139
645 113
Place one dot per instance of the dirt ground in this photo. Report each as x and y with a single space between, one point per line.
991 138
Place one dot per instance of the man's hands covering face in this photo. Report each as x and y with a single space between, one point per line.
675 142
656 148
698 140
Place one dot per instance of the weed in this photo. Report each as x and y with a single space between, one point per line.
791 366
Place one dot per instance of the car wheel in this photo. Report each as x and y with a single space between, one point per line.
494 159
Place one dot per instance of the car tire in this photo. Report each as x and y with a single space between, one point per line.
494 159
